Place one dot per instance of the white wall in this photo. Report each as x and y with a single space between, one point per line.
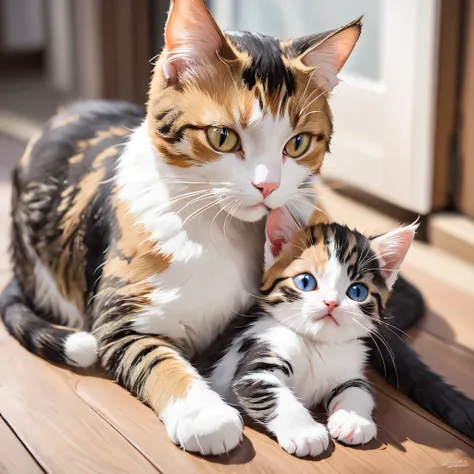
60 48
22 25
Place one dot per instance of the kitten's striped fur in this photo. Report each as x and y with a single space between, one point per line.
288 355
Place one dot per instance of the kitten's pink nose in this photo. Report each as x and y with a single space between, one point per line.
266 188
331 305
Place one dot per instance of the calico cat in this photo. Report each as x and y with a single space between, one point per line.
120 238
128 225
324 289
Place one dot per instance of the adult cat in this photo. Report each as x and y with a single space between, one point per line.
153 239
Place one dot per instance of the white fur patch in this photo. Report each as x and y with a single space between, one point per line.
296 430
215 259
81 349
351 428
202 422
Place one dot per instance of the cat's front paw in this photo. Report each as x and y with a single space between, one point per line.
305 440
212 428
351 428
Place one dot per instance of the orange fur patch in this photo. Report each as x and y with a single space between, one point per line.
61 121
138 257
174 371
70 272
102 135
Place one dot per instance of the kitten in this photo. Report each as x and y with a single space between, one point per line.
325 289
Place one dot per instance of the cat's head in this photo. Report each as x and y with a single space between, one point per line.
327 281
245 113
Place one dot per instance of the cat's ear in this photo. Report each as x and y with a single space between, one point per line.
191 37
328 52
391 249
280 228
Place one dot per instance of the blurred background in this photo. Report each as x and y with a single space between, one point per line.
404 112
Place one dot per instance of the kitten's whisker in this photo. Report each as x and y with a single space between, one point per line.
376 345
240 314
379 321
390 351
308 204
291 316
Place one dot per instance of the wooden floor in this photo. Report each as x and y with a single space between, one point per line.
58 421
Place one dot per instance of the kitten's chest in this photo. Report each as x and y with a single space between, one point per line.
325 367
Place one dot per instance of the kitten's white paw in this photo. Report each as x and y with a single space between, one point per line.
306 440
209 428
351 428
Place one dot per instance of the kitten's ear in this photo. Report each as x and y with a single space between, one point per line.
391 249
280 229
329 52
191 37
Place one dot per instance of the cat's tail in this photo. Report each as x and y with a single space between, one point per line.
58 344
411 376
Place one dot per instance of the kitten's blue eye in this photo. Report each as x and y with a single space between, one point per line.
358 292
305 282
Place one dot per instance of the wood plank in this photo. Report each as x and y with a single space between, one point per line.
452 362
14 458
405 439
451 307
38 402
453 233
398 398
410 428
455 364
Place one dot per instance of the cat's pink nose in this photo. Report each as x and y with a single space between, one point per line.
331 305
266 188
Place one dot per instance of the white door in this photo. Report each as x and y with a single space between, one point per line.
384 107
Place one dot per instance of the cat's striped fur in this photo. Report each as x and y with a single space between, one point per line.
125 222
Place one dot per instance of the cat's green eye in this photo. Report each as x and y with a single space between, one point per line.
222 139
298 145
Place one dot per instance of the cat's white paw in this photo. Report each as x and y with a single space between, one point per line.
304 440
351 428
210 427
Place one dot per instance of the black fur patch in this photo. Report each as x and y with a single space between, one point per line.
357 383
290 295
272 286
267 63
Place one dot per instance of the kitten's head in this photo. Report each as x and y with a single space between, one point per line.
245 113
327 281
